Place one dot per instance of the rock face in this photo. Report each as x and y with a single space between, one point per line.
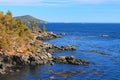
95 51
68 47
28 59
47 36
53 48
42 56
70 60
24 59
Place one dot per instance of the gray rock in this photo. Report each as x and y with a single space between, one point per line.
70 60
47 36
68 47
21 60
53 48
1 65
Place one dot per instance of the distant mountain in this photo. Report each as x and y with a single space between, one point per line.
29 19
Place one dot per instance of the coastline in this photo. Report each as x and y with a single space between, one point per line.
41 57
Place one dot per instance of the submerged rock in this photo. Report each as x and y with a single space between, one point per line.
97 72
62 34
95 51
66 74
70 60
104 35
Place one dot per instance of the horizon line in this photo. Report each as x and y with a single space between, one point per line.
87 22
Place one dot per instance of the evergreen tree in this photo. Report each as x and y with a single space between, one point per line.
15 35
34 27
43 28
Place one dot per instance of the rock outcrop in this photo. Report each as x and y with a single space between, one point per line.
53 48
47 36
70 60
22 44
42 56
24 59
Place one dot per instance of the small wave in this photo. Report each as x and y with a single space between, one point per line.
104 35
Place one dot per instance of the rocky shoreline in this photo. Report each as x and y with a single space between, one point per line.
70 60
44 55
47 36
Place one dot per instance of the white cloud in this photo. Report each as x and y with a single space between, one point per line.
51 2
96 1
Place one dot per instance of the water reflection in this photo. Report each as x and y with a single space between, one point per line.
26 73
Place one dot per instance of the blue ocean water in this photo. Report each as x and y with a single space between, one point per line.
87 37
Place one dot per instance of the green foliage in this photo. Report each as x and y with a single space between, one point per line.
34 27
43 28
15 36
13 33
5 41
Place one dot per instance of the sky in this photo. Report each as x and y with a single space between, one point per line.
85 11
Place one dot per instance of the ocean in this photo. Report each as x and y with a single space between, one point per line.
98 43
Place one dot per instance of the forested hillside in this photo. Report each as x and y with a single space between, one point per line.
15 36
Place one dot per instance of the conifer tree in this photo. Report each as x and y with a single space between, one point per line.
43 28
34 27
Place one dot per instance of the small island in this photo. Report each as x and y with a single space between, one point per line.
22 45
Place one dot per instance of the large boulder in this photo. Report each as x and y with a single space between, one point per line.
7 61
70 60
47 36
68 47
53 48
